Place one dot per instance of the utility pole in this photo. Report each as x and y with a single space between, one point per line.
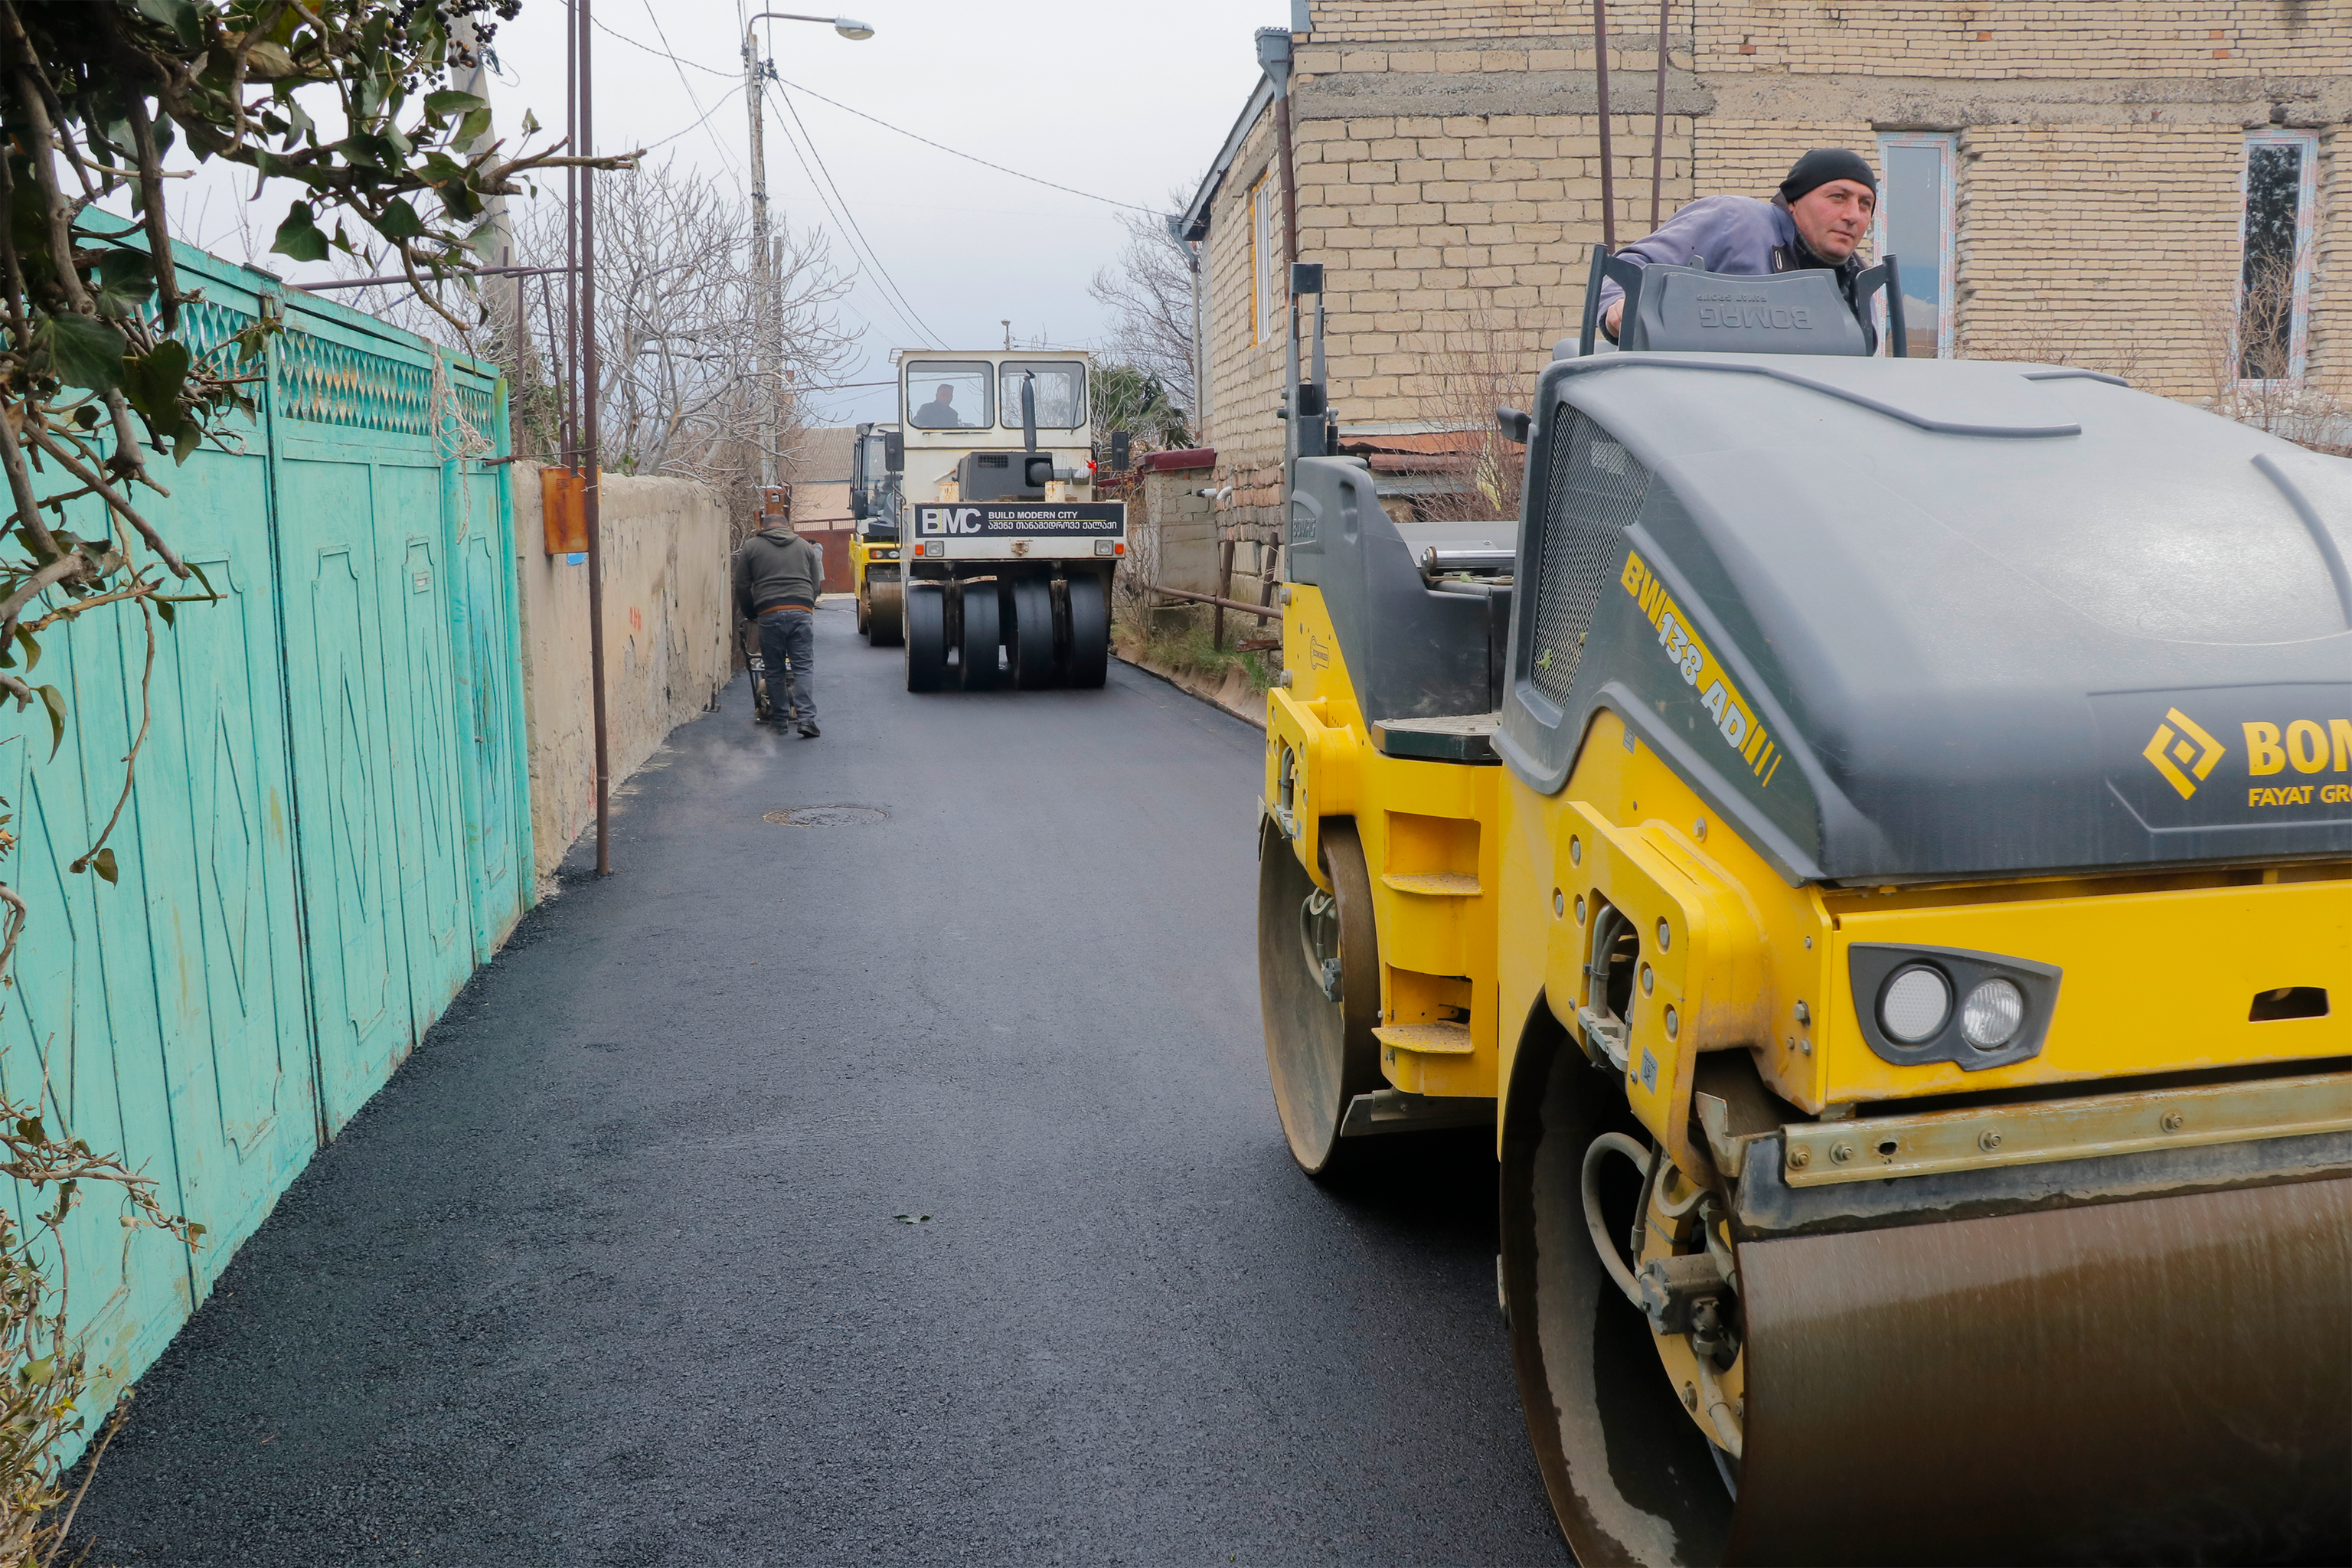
568 447
762 353
592 440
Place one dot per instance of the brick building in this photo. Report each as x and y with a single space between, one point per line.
2070 180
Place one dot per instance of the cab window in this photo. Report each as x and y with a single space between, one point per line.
1061 392
948 395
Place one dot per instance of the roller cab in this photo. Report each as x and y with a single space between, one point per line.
1006 560
1888 827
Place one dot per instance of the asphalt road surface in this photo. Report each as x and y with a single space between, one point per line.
613 1272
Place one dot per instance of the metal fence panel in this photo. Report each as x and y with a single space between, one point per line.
330 826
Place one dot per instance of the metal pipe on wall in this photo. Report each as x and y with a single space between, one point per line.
568 414
1658 128
1601 96
592 454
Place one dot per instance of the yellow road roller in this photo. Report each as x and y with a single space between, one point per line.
877 463
1878 851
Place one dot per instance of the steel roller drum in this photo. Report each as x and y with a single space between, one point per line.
885 613
2167 1379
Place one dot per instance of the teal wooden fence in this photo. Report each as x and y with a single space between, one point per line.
331 825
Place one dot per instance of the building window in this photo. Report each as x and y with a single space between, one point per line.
1915 226
1262 264
1249 255
2275 274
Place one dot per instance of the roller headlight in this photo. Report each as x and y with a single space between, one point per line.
1992 1013
1918 1005
1915 1004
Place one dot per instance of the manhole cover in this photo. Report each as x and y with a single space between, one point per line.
828 816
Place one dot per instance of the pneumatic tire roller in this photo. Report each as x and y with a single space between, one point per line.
1879 849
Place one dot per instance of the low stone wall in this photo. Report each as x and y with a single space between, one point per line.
665 626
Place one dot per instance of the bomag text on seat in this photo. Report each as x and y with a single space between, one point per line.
1879 851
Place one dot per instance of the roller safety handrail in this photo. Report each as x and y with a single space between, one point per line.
1435 561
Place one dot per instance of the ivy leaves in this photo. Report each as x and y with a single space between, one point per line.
84 351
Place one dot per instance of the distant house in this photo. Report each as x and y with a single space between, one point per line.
2141 187
819 470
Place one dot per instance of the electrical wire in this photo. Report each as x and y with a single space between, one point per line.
904 314
1068 190
604 26
940 146
838 205
698 124
680 66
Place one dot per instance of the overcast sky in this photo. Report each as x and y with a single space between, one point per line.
1112 97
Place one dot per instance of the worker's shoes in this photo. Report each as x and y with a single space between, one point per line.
810 730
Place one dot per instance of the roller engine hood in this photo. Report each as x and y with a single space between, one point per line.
1923 619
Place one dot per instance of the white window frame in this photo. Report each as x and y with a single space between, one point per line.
2306 231
1946 230
1262 283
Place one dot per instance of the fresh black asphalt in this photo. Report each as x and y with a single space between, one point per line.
611 1271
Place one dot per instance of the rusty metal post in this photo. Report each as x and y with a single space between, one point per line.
593 454
568 443
1658 130
1600 96
1225 587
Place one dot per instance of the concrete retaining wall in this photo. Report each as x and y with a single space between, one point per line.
665 654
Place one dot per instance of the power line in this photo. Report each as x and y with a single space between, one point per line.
707 113
839 205
1069 190
602 26
851 218
680 66
941 146
904 315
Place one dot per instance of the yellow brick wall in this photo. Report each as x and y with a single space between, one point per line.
2023 39
2331 312
2059 259
1433 227
2084 234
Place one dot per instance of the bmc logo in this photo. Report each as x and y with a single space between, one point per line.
941 520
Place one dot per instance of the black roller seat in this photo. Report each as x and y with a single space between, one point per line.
1413 650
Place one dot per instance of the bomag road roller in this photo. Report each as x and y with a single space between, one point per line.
876 502
1007 558
1879 850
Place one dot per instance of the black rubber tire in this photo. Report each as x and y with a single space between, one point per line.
886 623
1031 635
978 645
1089 660
1631 1479
926 637
1320 1054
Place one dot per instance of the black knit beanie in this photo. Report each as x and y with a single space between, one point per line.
1822 164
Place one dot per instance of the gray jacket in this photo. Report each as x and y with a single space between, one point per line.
1738 235
777 566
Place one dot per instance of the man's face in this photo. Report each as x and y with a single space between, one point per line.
947 394
1835 217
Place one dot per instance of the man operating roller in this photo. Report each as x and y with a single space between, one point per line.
1816 221
777 577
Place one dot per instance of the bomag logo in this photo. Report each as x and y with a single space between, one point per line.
2305 746
2179 743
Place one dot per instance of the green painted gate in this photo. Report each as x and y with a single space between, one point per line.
329 827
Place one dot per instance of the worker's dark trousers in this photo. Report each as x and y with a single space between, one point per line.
787 642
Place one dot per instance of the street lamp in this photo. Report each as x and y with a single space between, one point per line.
848 28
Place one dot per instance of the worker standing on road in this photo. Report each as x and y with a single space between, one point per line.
1817 220
777 577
